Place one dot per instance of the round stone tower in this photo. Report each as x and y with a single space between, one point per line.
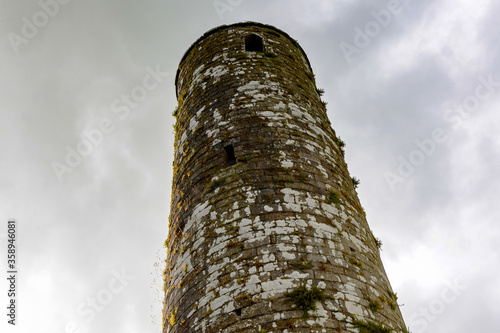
266 230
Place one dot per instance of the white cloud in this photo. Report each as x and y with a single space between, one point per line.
443 33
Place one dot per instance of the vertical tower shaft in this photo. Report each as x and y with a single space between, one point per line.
266 230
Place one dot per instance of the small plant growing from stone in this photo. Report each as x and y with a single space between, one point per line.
356 262
355 182
242 280
233 229
340 143
378 243
172 320
290 323
333 198
301 176
393 300
311 76
224 282
305 298
301 265
268 197
374 305
322 266
242 298
371 327
233 244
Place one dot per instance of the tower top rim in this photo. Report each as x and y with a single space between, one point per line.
239 24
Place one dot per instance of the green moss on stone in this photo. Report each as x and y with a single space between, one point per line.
305 298
333 198
371 327
374 305
356 262
301 265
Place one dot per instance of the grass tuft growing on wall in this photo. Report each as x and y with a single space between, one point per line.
371 327
305 298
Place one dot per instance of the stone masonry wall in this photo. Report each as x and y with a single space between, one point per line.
250 240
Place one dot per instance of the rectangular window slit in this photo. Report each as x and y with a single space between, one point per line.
230 158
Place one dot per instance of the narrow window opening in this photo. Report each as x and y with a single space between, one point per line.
254 43
273 239
230 158
238 312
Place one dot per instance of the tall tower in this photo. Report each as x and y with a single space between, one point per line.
266 230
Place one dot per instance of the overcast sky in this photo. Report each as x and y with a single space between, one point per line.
412 89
